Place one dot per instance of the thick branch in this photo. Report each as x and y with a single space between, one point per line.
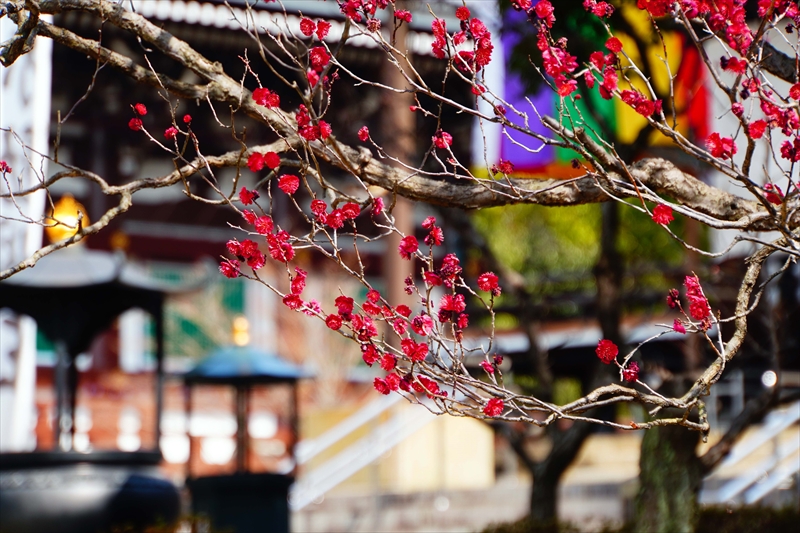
168 44
665 178
220 86
22 41
659 175
125 64
776 62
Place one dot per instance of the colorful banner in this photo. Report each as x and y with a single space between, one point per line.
691 99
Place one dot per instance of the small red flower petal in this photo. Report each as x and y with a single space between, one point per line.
289 183
607 351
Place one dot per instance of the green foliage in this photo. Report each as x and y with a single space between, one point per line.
527 383
566 390
506 321
537 241
555 249
642 240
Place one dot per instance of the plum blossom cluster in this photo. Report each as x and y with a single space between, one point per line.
773 193
640 103
308 130
699 309
258 161
136 123
452 304
662 214
318 58
503 167
721 147
405 365
607 351
320 28
698 304
246 251
470 28
442 139
727 18
758 106
360 10
278 242
560 65
724 17
266 98
336 218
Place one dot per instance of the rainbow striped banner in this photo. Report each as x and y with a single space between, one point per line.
691 99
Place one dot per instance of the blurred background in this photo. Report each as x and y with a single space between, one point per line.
137 385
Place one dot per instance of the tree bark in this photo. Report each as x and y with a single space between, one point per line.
670 479
544 494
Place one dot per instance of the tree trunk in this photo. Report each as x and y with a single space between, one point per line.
566 444
544 494
670 479
547 473
608 275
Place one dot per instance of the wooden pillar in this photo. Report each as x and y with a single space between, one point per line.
241 428
72 393
62 396
159 323
397 133
187 404
294 421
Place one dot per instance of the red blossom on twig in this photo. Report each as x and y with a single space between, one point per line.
607 351
408 246
631 372
662 214
494 407
289 183
247 197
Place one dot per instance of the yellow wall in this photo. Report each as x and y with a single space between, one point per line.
447 453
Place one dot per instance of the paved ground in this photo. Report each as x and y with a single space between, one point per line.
596 491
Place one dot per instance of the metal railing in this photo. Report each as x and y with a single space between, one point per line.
314 483
756 482
307 449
